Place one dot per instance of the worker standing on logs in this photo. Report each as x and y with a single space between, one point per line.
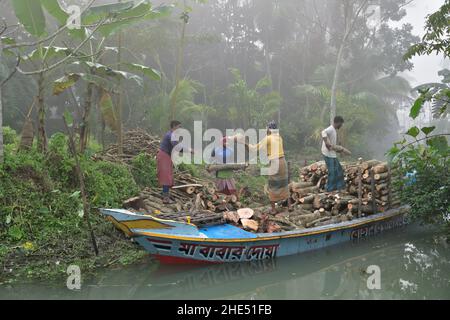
225 183
330 149
164 162
278 184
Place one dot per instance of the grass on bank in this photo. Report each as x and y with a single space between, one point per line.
42 229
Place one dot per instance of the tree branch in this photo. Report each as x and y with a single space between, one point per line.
53 66
50 37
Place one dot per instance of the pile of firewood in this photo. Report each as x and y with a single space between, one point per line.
135 142
368 190
189 195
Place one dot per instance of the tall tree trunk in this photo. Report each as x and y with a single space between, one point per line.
335 82
41 135
120 96
84 128
119 101
86 206
280 76
179 65
350 19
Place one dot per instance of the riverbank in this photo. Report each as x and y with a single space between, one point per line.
42 224
43 229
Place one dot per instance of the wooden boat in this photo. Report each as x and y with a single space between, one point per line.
184 243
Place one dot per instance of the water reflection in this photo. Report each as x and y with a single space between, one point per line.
415 264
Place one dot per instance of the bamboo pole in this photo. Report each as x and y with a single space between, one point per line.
389 187
86 208
372 187
359 187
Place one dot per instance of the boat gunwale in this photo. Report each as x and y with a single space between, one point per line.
286 235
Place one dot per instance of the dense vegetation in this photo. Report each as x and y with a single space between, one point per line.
424 154
42 229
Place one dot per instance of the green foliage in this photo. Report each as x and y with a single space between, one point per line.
108 184
437 36
30 14
41 214
427 158
428 193
438 94
252 107
192 169
9 136
144 171
58 157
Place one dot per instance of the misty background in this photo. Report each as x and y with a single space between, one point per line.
245 62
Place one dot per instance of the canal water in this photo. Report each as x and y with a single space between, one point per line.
413 263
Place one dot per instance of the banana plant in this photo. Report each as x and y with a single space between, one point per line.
102 20
106 81
98 76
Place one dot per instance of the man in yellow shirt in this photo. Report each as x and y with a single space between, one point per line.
278 184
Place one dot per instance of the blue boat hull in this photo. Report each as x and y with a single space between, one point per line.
175 242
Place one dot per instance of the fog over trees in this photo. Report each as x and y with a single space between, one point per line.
240 64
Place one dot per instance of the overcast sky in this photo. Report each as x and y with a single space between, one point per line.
425 68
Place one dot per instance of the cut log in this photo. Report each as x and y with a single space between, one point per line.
231 216
245 213
381 176
232 198
273 227
195 185
306 207
313 223
222 167
381 168
249 224
318 198
305 191
341 149
307 199
300 185
369 164
134 203
307 218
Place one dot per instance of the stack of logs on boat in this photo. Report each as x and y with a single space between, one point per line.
369 190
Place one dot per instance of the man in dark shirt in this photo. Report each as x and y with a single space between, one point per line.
164 162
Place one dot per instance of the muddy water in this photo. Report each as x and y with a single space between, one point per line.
414 263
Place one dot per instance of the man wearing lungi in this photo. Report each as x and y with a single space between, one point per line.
336 180
225 183
278 184
164 162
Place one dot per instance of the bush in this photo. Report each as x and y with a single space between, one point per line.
42 229
108 184
144 171
60 164
428 190
9 136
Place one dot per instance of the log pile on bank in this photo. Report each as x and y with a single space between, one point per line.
135 142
